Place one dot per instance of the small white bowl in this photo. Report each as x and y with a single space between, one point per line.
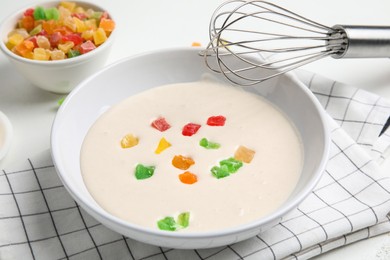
6 134
135 74
59 76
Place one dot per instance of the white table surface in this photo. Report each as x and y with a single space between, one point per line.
156 24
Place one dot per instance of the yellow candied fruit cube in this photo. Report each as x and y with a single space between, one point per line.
129 140
162 145
91 24
87 35
99 36
16 39
70 23
64 13
29 55
20 31
43 42
89 12
9 46
80 25
65 47
244 154
57 55
41 54
79 10
68 5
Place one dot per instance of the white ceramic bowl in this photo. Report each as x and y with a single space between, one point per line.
135 74
6 134
56 76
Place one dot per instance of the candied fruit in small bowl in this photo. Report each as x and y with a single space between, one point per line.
56 45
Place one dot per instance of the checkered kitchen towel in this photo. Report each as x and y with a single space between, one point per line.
39 220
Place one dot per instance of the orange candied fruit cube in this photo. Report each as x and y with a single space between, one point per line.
244 154
182 162
25 48
107 25
27 23
49 26
196 44
188 178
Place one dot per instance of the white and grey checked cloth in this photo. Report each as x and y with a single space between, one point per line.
39 220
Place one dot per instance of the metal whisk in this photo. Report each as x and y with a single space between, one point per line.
252 41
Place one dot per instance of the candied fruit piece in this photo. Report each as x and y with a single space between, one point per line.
55 39
87 47
29 12
91 24
196 44
52 13
65 47
160 124
43 42
41 54
232 164
143 172
129 140
25 49
49 26
162 145
27 23
107 25
183 219
39 13
87 35
73 53
167 224
190 129
37 29
99 36
244 154
188 178
57 55
216 121
80 25
182 162
220 172
208 145
68 5
15 39
73 37
70 23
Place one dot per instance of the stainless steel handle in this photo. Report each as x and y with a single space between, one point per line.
364 41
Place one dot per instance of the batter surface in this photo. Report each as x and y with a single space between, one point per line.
258 187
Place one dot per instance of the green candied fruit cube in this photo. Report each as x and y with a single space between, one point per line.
52 14
37 29
73 53
167 223
208 145
144 172
39 13
183 219
220 172
232 164
96 15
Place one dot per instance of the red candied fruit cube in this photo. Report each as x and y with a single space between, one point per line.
73 37
29 12
190 129
216 121
161 124
33 39
55 39
87 47
80 16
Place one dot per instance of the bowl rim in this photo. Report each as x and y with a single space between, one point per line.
69 61
277 214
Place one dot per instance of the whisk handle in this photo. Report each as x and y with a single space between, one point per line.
364 41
